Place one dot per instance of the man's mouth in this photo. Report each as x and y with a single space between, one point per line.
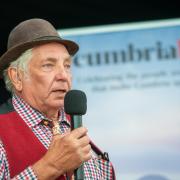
60 90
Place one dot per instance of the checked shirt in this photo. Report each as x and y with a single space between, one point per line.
33 119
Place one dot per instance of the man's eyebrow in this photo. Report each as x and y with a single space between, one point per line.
50 59
69 58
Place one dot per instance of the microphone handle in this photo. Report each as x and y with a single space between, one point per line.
76 121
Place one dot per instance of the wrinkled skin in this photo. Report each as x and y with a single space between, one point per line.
44 88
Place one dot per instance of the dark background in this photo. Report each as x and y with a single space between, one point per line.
80 13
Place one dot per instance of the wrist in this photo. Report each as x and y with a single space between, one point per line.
45 171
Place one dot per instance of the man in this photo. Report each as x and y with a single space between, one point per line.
35 137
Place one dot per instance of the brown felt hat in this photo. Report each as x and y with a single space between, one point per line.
31 33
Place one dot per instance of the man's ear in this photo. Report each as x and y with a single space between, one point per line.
16 78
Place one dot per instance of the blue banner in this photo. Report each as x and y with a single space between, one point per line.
131 76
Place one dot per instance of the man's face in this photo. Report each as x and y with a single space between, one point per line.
49 77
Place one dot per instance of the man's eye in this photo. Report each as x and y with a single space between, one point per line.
67 66
47 65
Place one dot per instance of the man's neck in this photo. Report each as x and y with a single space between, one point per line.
50 113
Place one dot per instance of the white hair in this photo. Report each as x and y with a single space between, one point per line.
20 63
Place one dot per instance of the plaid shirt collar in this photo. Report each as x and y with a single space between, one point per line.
31 116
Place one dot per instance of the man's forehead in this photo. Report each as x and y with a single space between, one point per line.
51 50
51 58
51 44
54 59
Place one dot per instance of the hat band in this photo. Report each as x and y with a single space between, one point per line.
47 38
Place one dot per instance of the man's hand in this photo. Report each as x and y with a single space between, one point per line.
66 153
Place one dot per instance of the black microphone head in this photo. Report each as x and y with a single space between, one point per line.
75 102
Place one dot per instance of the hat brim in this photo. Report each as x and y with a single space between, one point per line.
13 53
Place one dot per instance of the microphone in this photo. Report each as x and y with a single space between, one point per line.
75 104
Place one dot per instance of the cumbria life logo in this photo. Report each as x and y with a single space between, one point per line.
130 53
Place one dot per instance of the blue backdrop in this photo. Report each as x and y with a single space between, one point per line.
131 75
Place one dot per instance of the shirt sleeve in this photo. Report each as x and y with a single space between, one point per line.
28 173
4 169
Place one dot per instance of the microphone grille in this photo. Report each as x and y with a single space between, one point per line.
75 102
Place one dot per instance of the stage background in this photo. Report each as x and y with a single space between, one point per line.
131 76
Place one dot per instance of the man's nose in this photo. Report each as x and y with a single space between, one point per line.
61 74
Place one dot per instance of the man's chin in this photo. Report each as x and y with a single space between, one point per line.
57 104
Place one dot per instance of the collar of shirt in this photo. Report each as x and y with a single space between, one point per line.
31 116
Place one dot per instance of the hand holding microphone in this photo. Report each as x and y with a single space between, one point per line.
67 152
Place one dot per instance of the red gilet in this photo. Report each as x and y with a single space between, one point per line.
22 146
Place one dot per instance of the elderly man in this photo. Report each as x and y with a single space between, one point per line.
35 137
